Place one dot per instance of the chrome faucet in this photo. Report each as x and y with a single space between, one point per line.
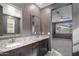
12 40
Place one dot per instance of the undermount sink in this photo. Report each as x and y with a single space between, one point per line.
13 44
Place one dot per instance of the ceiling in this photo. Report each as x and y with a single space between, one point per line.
40 5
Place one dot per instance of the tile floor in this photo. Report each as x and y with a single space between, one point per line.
61 47
53 53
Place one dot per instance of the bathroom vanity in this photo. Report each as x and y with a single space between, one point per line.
12 24
31 46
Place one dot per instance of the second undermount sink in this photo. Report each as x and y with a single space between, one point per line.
13 44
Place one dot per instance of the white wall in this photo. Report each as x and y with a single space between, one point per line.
75 27
64 11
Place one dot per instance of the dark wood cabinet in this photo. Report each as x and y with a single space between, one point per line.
23 51
43 47
36 49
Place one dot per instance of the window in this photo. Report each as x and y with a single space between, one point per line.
10 25
64 27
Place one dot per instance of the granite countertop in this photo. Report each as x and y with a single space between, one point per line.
27 41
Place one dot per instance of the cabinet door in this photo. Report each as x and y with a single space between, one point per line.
26 50
43 47
35 50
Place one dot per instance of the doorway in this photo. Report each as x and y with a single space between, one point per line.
62 30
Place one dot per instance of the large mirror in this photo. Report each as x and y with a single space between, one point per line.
35 24
9 24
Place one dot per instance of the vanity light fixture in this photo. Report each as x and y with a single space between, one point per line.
48 33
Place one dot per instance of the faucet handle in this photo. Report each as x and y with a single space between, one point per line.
13 39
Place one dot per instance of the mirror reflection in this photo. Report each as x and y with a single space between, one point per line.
35 21
11 25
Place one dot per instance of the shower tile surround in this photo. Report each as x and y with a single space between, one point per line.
23 40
